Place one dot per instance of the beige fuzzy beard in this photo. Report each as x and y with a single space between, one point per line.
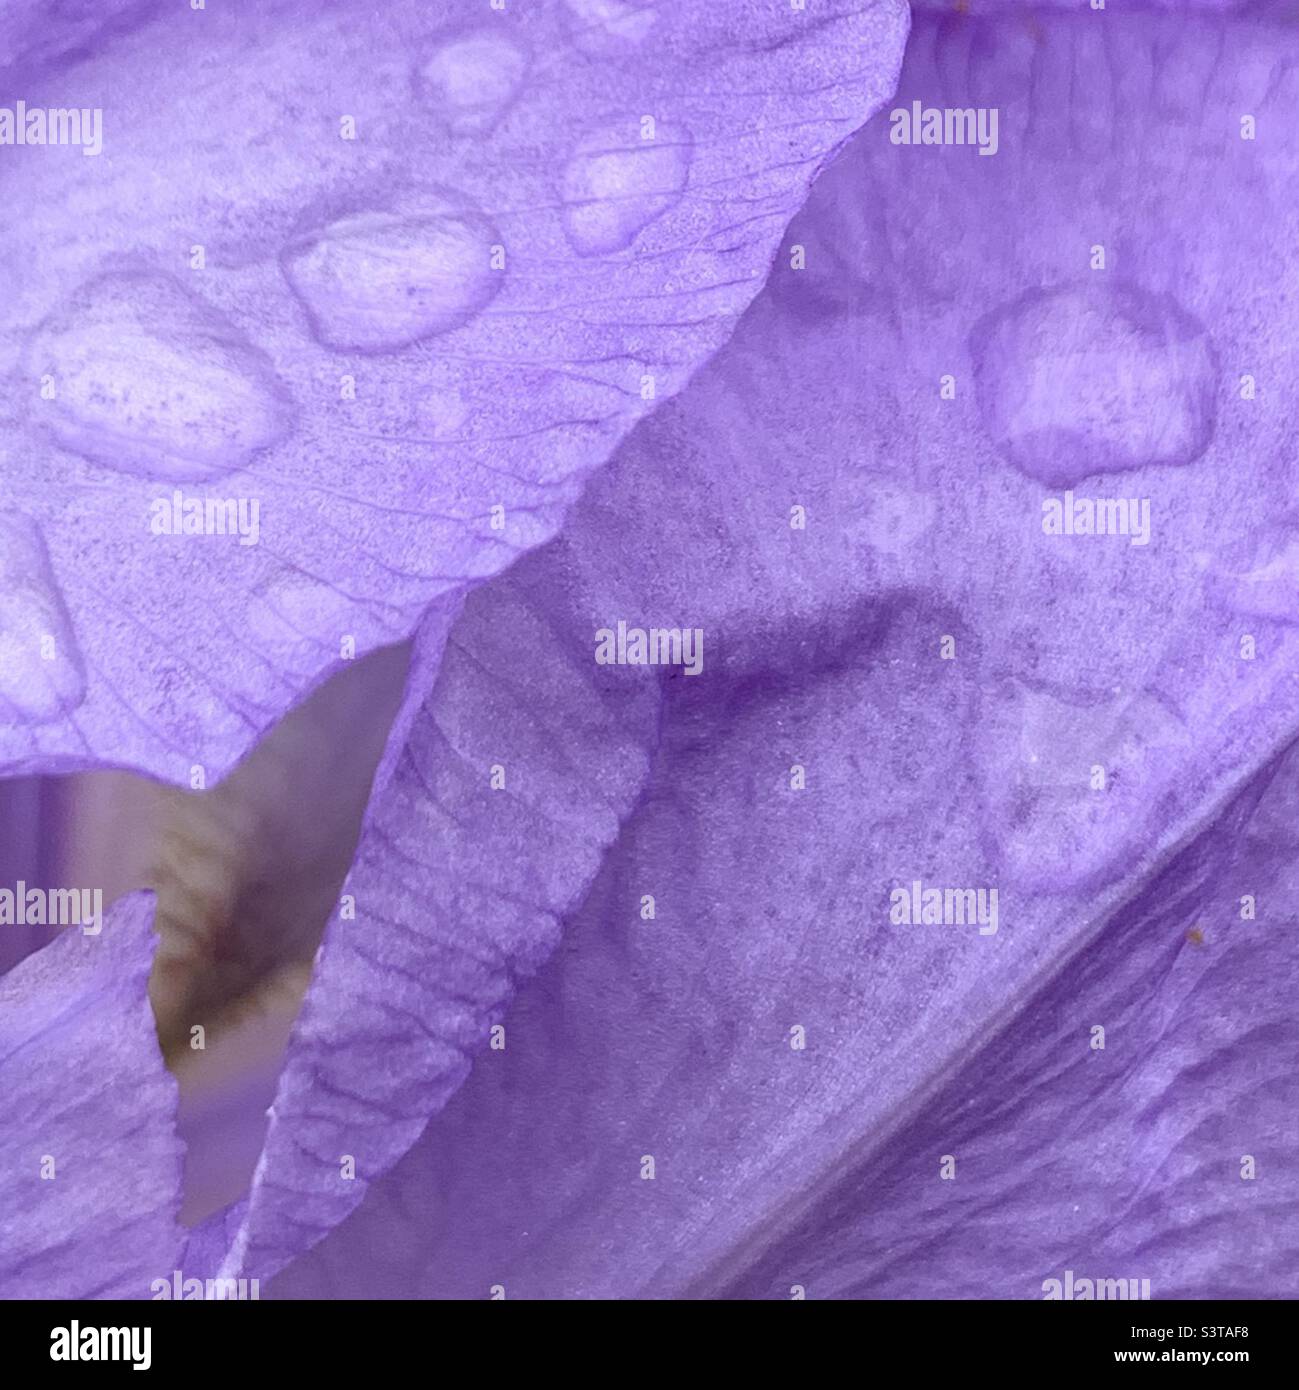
248 872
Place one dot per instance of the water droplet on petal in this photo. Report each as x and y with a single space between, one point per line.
379 281
1269 590
1088 380
294 619
152 381
1057 829
897 516
616 183
473 78
617 19
41 670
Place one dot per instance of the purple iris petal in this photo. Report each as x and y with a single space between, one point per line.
91 1162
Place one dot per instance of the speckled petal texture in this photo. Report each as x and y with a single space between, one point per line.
1125 1162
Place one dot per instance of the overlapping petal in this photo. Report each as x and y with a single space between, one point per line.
342 312
513 784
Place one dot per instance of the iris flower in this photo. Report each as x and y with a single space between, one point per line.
443 957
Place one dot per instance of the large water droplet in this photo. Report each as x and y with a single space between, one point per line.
41 671
617 182
150 380
1094 379
379 281
472 79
